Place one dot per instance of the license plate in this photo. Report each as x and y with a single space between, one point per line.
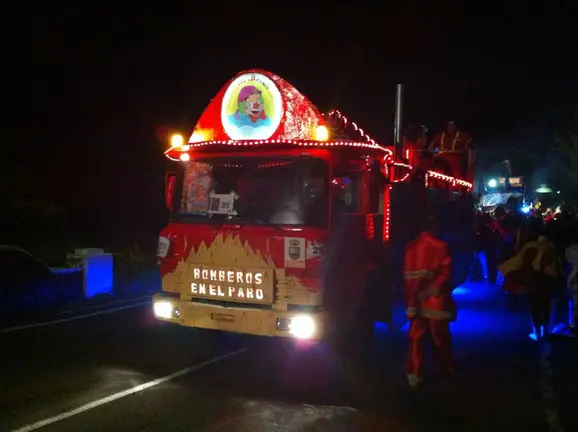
222 317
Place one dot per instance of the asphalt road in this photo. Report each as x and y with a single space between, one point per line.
122 371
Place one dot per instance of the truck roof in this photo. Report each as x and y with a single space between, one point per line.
258 108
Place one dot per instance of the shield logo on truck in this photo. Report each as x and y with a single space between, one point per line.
294 249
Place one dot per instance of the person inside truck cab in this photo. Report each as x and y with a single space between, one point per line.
288 212
302 207
314 200
343 201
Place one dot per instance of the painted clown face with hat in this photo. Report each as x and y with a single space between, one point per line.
250 104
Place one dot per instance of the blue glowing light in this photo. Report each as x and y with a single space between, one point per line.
461 291
98 275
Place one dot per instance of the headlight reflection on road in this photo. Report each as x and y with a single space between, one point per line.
163 309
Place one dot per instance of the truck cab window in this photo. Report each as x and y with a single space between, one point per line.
267 190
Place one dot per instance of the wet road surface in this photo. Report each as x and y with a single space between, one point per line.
122 370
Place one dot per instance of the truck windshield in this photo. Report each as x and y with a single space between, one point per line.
255 191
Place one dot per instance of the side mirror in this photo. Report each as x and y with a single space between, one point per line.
170 184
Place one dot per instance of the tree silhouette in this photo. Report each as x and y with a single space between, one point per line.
30 216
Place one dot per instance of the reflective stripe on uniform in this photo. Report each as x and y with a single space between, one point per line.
454 142
437 315
412 312
418 274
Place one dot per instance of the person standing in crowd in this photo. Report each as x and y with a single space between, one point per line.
505 226
548 271
501 245
488 246
572 291
534 226
430 306
536 269
478 272
563 231
493 247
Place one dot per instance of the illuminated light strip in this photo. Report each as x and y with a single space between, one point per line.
387 211
265 165
311 143
301 143
405 177
387 160
402 165
183 148
346 122
369 226
438 176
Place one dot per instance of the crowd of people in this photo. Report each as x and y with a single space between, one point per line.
533 255
536 254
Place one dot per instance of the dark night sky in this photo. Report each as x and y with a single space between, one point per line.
88 93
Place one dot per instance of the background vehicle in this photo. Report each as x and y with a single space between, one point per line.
27 284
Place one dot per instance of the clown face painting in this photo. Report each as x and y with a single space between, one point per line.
252 108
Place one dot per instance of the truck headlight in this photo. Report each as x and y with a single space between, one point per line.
163 309
302 327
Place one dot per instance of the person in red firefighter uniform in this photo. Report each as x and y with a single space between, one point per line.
457 148
430 305
414 142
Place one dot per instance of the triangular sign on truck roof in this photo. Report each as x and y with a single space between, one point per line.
257 105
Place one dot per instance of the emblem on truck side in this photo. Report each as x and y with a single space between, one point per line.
295 252
294 249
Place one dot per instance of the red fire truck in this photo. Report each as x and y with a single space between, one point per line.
279 229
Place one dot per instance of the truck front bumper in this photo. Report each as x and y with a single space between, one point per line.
261 322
